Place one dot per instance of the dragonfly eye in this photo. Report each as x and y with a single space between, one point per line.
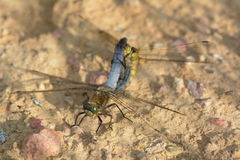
94 110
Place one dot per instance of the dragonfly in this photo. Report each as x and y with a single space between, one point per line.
124 67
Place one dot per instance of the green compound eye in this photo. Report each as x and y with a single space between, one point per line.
94 110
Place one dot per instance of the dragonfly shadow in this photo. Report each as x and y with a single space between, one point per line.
231 11
40 11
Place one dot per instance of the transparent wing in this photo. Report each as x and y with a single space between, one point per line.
119 97
23 80
102 42
138 107
90 38
182 52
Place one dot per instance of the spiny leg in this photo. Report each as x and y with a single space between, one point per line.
110 123
114 104
100 120
75 123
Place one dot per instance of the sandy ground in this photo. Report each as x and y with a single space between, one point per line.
51 37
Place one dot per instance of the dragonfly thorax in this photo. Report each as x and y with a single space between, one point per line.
101 97
93 105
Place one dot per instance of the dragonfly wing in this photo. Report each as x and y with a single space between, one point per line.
178 52
37 77
138 101
134 106
90 38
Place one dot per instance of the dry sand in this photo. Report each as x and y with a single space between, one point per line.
50 36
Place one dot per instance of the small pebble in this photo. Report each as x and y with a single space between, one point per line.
75 65
34 52
101 79
90 54
210 147
97 78
42 86
13 107
166 131
42 145
155 147
195 89
3 136
190 59
206 101
203 58
164 88
69 100
218 56
58 33
66 130
51 125
171 148
219 122
180 45
141 155
228 93
76 130
204 30
36 123
209 71
162 144
156 45
37 102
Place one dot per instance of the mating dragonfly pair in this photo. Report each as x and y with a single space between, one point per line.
119 77
124 67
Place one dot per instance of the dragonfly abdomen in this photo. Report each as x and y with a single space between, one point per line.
117 64
131 64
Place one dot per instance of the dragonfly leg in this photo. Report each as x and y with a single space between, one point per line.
100 123
75 123
124 63
114 104
110 123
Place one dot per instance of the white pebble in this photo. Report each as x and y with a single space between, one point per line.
37 102
218 56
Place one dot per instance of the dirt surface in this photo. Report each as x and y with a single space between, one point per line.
60 37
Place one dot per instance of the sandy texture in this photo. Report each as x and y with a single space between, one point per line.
50 36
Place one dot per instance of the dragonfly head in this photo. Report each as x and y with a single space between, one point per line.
90 109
